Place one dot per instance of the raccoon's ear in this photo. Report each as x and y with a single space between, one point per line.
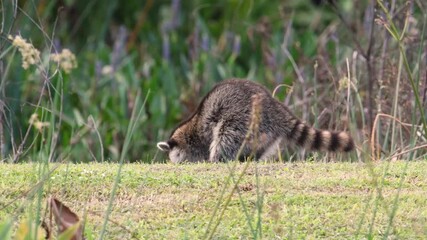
163 146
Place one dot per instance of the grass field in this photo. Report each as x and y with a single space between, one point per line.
298 200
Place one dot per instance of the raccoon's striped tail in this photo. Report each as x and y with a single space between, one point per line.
320 140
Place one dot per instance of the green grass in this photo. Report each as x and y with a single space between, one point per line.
300 200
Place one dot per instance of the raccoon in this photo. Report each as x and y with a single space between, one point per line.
219 126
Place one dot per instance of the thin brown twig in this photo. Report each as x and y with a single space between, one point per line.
140 22
279 86
409 150
373 148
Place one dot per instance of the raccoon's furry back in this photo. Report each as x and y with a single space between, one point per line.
231 100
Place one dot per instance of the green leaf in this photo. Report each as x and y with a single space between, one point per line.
27 229
5 229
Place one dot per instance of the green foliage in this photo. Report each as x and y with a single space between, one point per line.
175 50
178 50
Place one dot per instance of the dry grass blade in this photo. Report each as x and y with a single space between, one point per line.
375 154
251 138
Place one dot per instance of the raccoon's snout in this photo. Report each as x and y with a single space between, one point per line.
177 155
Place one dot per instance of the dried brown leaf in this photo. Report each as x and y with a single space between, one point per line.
65 218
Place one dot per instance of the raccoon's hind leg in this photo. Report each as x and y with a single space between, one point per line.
271 150
226 141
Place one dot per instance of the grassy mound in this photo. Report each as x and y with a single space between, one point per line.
300 200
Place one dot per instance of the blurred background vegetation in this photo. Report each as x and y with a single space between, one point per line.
337 59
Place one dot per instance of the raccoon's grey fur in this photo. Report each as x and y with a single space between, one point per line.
217 129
